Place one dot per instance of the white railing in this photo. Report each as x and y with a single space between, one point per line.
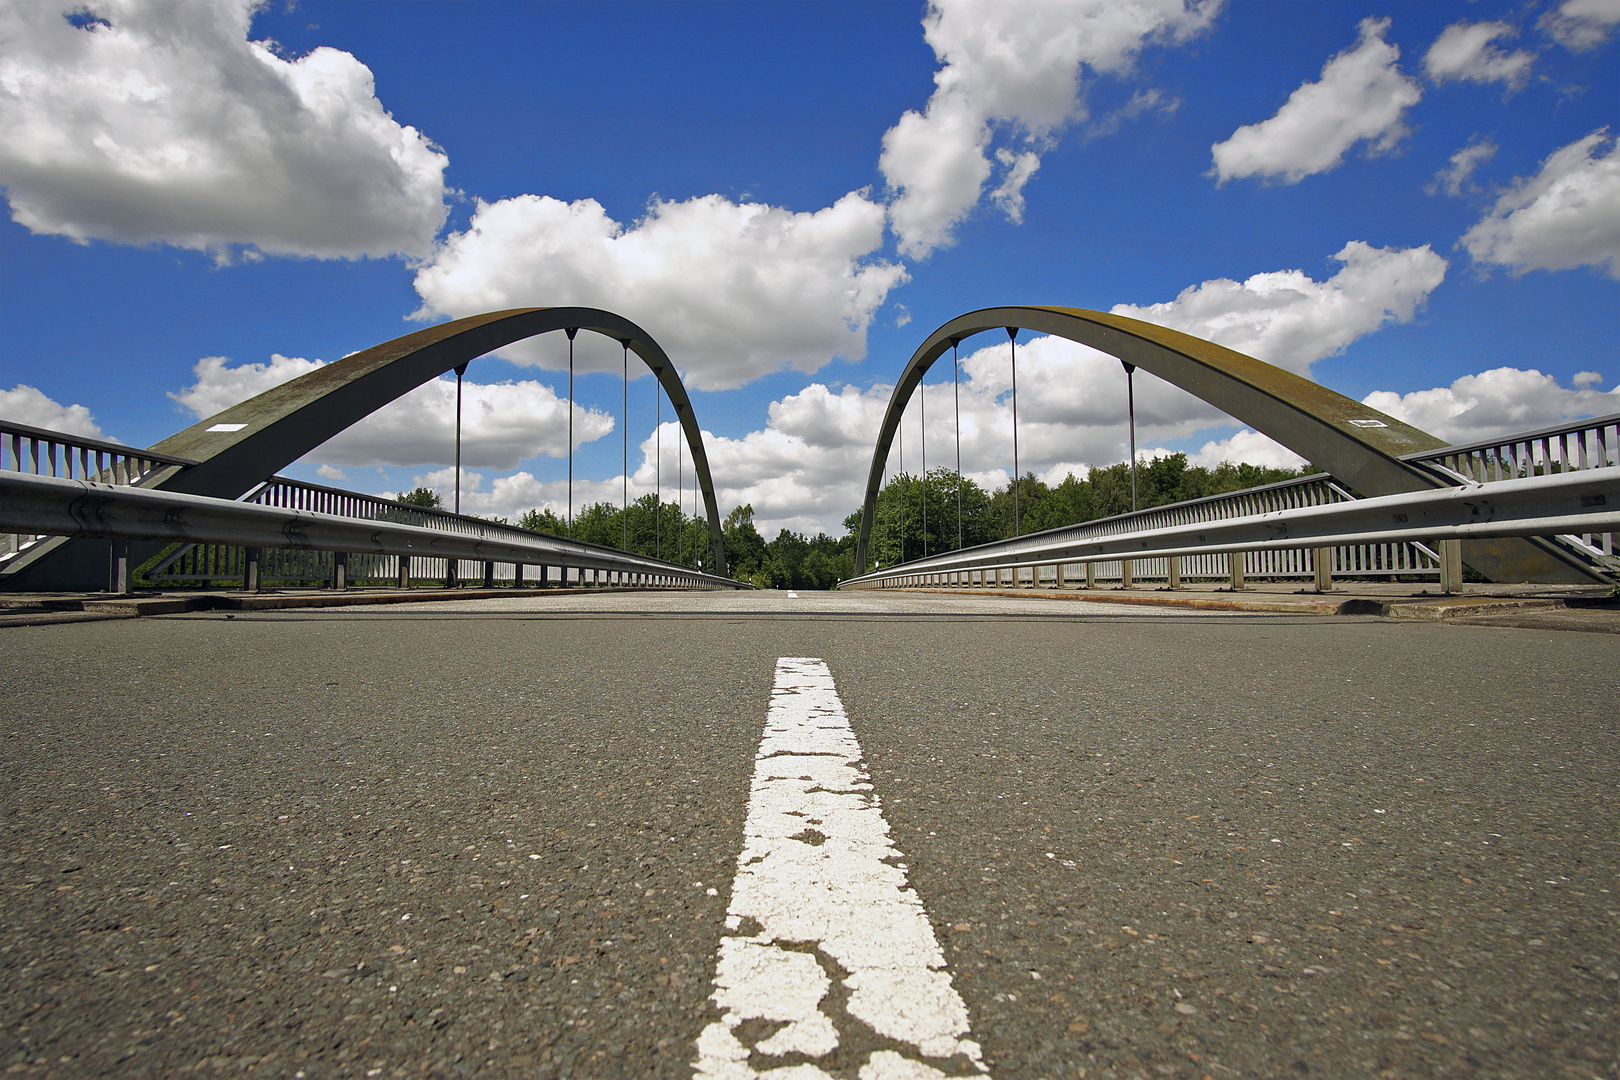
1556 503
57 506
41 452
1562 448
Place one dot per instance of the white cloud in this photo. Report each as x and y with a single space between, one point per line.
28 406
161 122
1286 318
501 423
732 291
1248 447
332 473
1361 97
1015 66
1567 215
1464 162
1498 402
1581 24
1464 51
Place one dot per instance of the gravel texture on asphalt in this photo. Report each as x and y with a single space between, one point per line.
497 838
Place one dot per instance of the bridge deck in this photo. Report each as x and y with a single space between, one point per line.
501 836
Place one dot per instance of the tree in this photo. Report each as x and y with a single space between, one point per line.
745 548
422 496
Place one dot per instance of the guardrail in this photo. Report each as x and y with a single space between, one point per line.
1561 448
55 506
205 564
1581 501
41 452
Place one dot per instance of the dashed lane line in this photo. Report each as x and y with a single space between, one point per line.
821 894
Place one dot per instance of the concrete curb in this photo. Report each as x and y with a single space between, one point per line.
92 609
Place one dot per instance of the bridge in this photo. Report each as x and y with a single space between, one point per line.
941 827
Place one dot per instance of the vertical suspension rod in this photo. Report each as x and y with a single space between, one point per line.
956 395
460 371
624 419
1012 334
571 331
1130 409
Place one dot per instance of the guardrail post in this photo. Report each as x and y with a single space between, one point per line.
252 568
1175 571
1322 559
517 575
489 574
545 572
450 571
1234 561
404 572
340 571
1450 566
118 576
1091 575
1059 583
1125 573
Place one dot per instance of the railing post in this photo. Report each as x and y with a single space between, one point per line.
450 570
1175 571
118 576
1058 583
404 571
1322 559
1125 573
340 571
1450 566
252 569
489 574
545 572
517 575
1091 575
1234 561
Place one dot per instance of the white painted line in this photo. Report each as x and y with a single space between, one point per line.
820 894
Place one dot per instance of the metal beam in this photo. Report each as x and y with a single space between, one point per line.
60 507
1533 506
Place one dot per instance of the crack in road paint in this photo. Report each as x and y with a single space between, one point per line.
811 906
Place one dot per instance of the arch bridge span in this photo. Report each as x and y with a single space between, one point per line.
234 450
1353 442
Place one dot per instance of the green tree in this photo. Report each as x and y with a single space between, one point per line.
422 496
745 548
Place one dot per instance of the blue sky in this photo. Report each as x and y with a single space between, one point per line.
1417 204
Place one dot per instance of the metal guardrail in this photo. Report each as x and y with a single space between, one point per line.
1582 501
58 506
1380 559
42 452
1561 448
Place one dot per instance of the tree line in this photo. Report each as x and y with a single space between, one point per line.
915 515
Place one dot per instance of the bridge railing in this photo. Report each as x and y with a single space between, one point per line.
1374 559
207 564
41 452
57 506
1561 448
1549 504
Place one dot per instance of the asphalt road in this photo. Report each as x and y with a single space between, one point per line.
499 838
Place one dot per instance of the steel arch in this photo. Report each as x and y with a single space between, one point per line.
1359 445
255 439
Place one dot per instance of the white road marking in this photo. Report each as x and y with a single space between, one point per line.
824 896
792 595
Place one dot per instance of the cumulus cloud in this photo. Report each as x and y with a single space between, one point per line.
139 121
1464 51
1286 318
1362 97
1249 447
732 291
1497 402
1567 215
1581 24
501 423
1013 68
1455 179
28 406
